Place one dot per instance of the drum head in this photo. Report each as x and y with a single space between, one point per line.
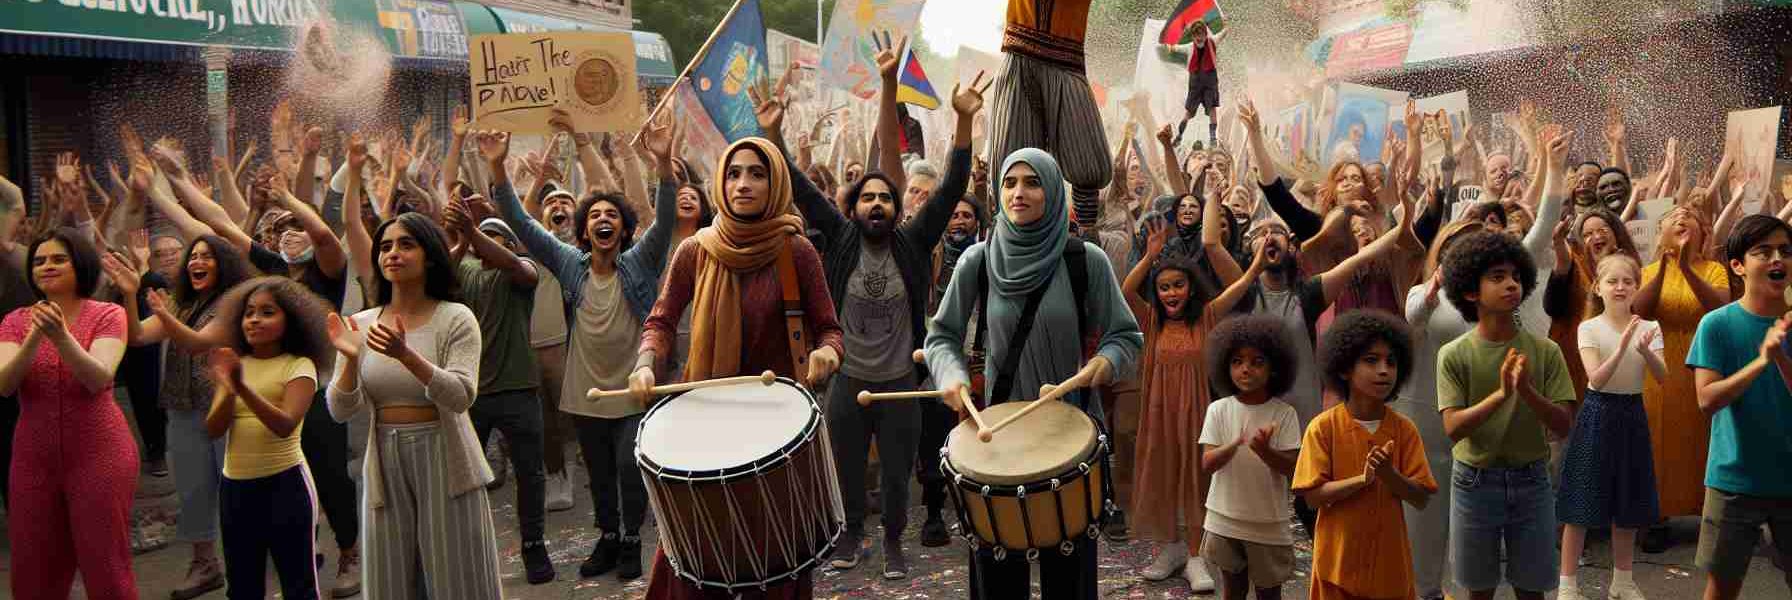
1038 447
725 428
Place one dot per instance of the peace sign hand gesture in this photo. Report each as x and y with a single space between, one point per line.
968 101
888 56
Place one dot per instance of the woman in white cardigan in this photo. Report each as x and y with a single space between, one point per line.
413 359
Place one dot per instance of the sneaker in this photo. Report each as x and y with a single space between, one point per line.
846 555
537 567
348 574
203 575
895 564
1116 529
934 533
1170 557
1657 539
603 556
559 492
156 467
1196 573
1626 590
628 565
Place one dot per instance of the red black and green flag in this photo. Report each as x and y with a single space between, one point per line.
1182 20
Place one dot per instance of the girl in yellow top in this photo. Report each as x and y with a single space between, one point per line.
1359 461
265 380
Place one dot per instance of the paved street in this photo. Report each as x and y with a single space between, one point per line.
936 572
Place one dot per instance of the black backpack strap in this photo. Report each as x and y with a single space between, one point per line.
1079 281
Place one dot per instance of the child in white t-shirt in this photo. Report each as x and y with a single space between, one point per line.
1249 443
1608 470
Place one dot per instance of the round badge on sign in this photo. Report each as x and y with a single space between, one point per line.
596 82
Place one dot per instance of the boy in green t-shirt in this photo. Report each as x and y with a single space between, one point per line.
1499 388
1738 360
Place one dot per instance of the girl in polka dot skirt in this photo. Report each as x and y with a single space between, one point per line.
1608 473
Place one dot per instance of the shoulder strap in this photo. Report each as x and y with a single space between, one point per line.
1079 281
793 312
1017 345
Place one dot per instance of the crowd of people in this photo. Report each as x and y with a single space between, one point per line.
1407 371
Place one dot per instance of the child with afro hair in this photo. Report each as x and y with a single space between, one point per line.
1359 461
1500 388
1247 544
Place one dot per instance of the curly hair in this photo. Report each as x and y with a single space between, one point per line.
1620 233
1328 190
305 312
1352 335
1268 336
1472 257
1447 237
1198 294
706 214
582 213
233 268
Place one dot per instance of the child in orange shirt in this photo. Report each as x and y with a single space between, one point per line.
1359 460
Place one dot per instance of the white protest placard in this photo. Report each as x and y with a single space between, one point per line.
1643 233
518 79
1651 210
1754 135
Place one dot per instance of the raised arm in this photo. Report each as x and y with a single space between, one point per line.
1212 241
1172 167
889 138
929 223
327 250
1616 143
154 186
1555 196
1238 287
139 331
562 259
1157 233
360 241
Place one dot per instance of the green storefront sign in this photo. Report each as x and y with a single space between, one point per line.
233 23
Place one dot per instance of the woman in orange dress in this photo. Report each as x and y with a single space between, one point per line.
1679 288
1167 477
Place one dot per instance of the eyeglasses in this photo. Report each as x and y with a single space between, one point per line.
1770 252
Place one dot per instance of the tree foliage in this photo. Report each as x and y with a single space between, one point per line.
688 23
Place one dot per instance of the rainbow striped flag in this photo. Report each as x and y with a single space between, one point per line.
912 86
1182 20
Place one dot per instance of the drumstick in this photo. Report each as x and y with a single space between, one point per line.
867 397
984 433
660 390
1051 393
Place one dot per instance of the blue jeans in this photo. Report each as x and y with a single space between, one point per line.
1510 507
197 462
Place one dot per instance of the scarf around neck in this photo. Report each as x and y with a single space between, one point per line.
1023 257
734 246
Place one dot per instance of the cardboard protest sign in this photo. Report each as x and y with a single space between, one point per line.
518 79
1754 135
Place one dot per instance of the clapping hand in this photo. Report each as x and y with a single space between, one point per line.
225 366
388 340
345 335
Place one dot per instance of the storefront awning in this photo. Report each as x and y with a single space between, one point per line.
431 32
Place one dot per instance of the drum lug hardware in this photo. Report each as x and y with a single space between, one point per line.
1094 532
1083 467
1033 555
1055 484
1020 493
1001 553
1065 548
986 490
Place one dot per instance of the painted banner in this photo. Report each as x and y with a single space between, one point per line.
847 55
734 62
1431 135
1357 117
1753 135
1163 75
703 143
519 78
1293 134
1371 49
1184 17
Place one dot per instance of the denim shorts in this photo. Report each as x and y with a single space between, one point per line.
1513 508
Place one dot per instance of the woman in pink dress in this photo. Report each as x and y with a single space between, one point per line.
74 466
